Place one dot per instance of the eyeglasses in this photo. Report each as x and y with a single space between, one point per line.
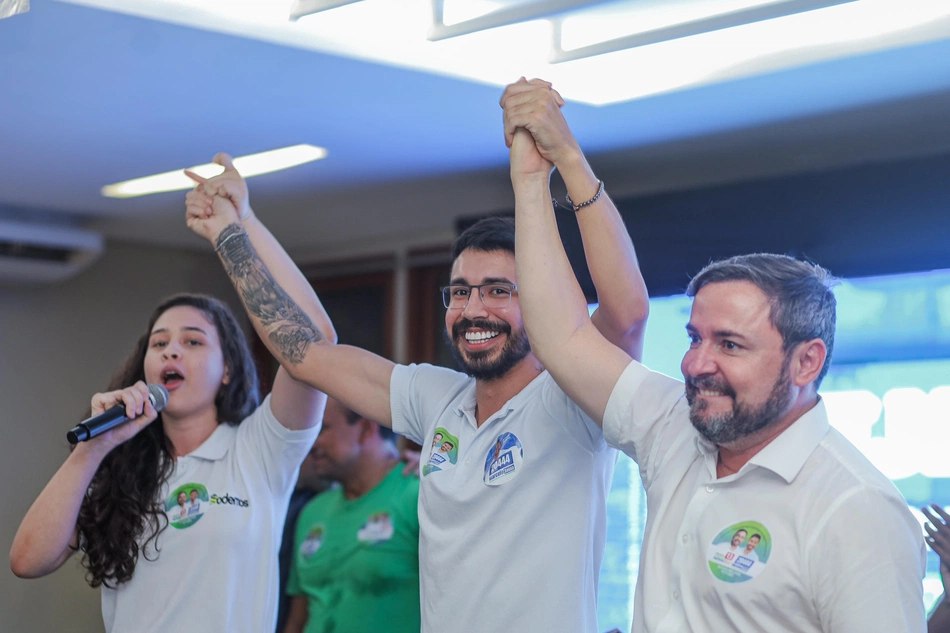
456 296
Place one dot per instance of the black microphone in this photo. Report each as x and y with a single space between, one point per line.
99 424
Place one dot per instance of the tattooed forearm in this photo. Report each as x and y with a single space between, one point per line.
288 327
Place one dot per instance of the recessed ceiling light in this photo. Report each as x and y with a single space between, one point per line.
250 165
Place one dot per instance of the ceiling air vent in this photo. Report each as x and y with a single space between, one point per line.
43 253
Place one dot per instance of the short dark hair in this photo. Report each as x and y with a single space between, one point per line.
352 417
802 305
494 233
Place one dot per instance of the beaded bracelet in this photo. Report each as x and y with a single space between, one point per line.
578 207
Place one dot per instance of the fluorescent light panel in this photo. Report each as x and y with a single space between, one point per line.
508 13
12 7
250 165
682 29
300 8
394 32
497 56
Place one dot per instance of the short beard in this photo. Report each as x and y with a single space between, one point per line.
743 421
479 365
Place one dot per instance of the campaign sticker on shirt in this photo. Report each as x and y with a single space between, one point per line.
740 551
378 528
444 452
312 542
504 460
186 504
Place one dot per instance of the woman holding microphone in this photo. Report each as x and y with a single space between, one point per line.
115 496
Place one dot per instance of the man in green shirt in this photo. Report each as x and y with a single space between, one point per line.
356 548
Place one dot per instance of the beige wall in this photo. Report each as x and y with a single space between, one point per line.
58 345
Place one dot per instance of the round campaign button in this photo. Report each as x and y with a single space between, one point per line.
740 551
504 460
186 504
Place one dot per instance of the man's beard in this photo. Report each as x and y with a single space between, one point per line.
743 420
480 365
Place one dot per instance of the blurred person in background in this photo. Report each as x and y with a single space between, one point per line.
355 560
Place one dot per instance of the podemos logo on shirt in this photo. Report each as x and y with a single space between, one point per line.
189 502
228 500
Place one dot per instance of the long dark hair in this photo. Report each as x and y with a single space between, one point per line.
121 514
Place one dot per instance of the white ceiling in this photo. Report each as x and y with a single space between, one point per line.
90 97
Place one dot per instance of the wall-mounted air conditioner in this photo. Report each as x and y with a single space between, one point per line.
44 253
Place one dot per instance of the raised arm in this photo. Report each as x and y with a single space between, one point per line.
624 304
284 309
583 362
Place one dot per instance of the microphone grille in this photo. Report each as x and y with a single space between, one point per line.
158 394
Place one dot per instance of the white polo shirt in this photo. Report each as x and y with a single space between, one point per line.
512 515
216 570
839 551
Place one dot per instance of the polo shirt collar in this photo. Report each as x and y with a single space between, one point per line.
217 444
787 453
467 403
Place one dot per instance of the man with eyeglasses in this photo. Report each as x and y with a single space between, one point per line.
517 455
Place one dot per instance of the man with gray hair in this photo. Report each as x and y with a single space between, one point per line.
745 448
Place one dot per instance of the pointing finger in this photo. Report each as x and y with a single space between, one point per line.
198 179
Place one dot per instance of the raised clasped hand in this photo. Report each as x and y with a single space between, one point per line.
217 202
533 105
